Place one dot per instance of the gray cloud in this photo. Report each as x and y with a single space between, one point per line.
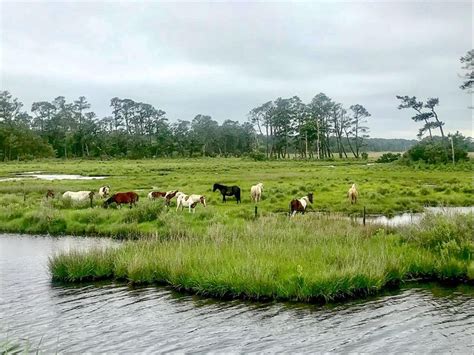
223 59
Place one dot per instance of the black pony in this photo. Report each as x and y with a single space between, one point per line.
228 191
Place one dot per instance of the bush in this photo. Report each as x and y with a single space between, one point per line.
388 158
437 150
257 155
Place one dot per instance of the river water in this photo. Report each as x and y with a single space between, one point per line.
115 318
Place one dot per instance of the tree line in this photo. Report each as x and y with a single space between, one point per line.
133 130
319 129
63 129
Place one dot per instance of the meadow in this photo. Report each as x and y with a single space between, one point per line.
383 189
223 250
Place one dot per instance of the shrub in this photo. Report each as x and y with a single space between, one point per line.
435 150
388 157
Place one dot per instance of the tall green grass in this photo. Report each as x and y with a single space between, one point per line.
301 259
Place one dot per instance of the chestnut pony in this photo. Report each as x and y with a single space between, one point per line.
122 198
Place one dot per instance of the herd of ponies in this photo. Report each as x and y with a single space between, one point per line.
297 205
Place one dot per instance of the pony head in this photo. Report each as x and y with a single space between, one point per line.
203 200
108 201
310 197
215 187
261 185
49 193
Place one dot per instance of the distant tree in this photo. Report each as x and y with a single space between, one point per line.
356 131
468 61
413 103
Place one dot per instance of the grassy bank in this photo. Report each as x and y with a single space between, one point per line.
383 188
273 258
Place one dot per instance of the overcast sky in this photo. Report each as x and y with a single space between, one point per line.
223 59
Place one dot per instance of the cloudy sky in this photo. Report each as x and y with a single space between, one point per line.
223 59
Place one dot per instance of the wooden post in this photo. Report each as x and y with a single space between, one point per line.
256 211
363 218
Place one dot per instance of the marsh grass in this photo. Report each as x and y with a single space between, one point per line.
301 259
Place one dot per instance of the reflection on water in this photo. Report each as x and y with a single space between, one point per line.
407 218
108 317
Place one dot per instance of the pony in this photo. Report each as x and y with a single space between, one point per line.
227 191
104 191
256 192
121 198
190 201
79 196
299 205
170 195
156 194
352 194
50 193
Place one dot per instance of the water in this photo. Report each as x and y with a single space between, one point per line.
110 317
50 177
408 218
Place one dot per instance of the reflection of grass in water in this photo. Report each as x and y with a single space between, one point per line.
276 258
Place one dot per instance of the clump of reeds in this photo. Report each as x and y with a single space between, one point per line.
275 258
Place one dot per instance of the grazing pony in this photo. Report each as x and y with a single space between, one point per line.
104 191
79 196
227 191
170 195
49 193
156 194
122 197
299 205
256 192
189 201
352 194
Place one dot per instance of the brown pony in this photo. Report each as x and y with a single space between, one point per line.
49 193
121 198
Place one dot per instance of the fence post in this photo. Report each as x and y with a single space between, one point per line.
256 211
363 218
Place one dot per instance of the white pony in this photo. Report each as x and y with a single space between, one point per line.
256 192
104 191
78 196
352 194
189 201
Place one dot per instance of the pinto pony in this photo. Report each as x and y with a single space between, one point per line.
170 195
104 191
256 192
122 198
190 201
352 194
153 195
227 191
299 205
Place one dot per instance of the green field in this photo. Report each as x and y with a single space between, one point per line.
383 188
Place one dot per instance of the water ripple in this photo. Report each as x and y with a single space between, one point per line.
108 317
